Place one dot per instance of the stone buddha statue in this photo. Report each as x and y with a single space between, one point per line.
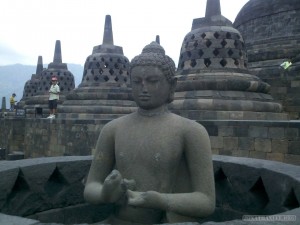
155 166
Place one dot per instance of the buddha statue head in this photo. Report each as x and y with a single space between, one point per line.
152 77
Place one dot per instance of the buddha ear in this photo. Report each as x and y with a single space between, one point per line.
173 84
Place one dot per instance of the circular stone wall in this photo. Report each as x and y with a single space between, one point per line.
50 190
270 29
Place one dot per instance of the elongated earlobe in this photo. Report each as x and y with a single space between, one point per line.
173 84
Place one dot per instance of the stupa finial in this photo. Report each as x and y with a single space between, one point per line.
157 39
57 53
108 34
39 67
213 8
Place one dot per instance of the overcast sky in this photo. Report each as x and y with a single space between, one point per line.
29 28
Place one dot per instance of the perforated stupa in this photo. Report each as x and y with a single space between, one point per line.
104 92
213 79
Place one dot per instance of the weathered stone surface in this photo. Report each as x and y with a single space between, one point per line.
217 142
275 156
15 220
292 159
7 183
81 213
78 137
270 35
230 143
262 145
15 155
104 92
279 146
2 153
246 143
36 94
294 147
257 155
258 131
31 86
243 185
213 66
277 132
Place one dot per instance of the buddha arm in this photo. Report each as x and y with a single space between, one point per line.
195 204
103 184
201 201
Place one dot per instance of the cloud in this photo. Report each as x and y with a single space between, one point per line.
8 55
34 25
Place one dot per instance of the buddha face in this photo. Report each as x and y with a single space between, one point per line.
150 87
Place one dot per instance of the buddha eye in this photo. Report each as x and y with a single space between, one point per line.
136 81
153 80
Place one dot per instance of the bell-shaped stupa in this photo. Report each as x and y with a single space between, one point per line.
272 36
41 83
213 79
104 92
31 86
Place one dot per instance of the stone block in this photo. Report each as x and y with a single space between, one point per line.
262 145
209 115
258 155
275 156
250 115
222 115
2 153
292 159
295 83
215 151
240 153
226 131
225 152
279 146
216 142
236 116
291 133
230 143
294 147
258 132
276 132
261 116
241 131
282 90
212 130
245 143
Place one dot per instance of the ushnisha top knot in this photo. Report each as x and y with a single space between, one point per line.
153 54
153 47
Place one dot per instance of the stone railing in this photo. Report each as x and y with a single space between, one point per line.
50 190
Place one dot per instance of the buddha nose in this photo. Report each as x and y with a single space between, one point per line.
144 87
